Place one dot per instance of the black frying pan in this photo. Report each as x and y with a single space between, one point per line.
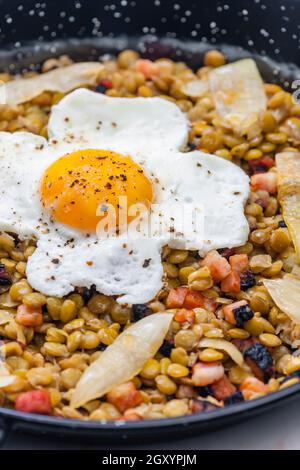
267 30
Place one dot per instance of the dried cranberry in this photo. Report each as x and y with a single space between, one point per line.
191 146
242 314
5 277
140 311
100 89
259 353
204 391
226 252
247 279
166 348
260 165
244 344
263 203
237 397
87 293
260 361
259 169
281 224
15 236
103 86
200 406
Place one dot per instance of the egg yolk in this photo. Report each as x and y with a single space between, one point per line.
77 184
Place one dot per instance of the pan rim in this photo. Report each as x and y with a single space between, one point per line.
231 411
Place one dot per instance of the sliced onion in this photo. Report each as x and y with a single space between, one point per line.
288 165
5 317
5 377
123 359
6 381
223 345
195 88
6 301
238 94
286 294
292 129
63 79
19 330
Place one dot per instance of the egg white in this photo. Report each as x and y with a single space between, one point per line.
153 132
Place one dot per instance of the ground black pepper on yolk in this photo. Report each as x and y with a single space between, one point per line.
76 185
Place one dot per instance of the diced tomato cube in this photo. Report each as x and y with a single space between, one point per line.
124 396
206 374
223 388
177 297
239 263
184 297
217 264
228 310
231 283
210 304
35 401
148 68
184 315
262 164
194 299
105 82
267 161
251 386
29 316
266 181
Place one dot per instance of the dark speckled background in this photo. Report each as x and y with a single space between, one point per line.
31 31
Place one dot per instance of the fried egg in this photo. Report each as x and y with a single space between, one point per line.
100 148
